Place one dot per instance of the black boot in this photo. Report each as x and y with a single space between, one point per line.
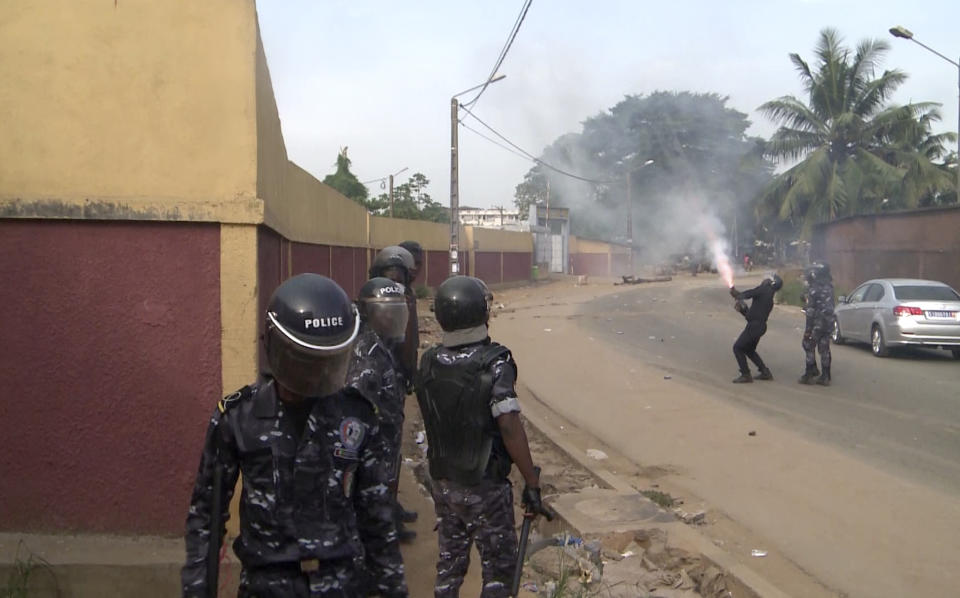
743 379
764 374
809 375
824 380
404 515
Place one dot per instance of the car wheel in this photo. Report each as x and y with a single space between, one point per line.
835 336
877 342
956 353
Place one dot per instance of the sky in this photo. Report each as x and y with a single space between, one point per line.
377 76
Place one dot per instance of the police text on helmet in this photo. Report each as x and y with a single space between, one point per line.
323 322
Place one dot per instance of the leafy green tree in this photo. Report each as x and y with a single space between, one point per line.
411 201
345 181
686 153
531 191
856 153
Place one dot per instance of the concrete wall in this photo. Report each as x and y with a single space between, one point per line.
917 244
111 355
127 99
148 209
597 258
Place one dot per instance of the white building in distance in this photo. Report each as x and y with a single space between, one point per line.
493 218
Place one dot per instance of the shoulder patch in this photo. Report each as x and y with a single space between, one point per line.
233 398
352 433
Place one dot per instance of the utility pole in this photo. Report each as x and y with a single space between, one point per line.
454 189
391 196
629 224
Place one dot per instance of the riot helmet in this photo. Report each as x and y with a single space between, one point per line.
774 280
393 262
460 304
817 272
417 252
487 294
383 308
309 331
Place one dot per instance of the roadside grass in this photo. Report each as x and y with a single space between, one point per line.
661 498
18 581
422 291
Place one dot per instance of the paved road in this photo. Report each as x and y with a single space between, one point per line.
901 413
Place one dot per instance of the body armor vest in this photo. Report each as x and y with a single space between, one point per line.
455 403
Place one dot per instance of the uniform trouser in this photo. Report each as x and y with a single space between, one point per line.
339 579
817 338
746 346
481 514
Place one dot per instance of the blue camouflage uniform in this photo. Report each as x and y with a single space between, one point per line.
315 516
819 322
482 512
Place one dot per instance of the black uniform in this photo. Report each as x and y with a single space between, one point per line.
411 342
461 391
314 512
756 315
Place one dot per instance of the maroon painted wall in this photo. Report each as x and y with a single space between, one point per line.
517 266
438 265
111 348
590 264
916 244
487 266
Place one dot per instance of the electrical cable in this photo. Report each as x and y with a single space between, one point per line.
503 52
534 158
494 141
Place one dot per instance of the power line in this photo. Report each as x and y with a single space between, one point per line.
494 141
533 158
503 52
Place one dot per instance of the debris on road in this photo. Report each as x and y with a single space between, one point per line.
752 433
640 280
596 454
758 553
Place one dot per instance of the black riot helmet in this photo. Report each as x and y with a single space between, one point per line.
460 304
417 252
383 307
817 272
309 331
393 262
487 294
774 280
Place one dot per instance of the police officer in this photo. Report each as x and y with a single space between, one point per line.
819 323
399 265
315 515
465 389
373 368
411 343
756 315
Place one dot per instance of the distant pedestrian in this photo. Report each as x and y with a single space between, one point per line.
315 515
819 323
465 388
760 307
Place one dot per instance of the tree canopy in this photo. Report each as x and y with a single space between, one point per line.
345 181
857 153
686 153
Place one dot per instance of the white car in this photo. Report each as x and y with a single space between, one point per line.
893 312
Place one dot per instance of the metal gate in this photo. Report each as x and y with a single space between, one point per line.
556 254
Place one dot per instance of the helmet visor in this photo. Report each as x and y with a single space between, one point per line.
388 318
307 372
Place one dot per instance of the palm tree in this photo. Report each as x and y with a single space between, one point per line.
855 152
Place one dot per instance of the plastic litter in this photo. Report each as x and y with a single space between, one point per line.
548 329
421 437
596 454
757 552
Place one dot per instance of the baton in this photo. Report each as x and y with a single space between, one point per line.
522 548
213 547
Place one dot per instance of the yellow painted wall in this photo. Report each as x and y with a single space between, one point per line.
432 236
589 246
127 99
490 239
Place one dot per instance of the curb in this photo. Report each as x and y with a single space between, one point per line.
745 581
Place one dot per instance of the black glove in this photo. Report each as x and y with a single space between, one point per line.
740 306
533 504
734 293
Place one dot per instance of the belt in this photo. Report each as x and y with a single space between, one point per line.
295 567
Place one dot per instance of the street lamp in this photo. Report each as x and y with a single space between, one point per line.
630 212
390 177
904 33
454 174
